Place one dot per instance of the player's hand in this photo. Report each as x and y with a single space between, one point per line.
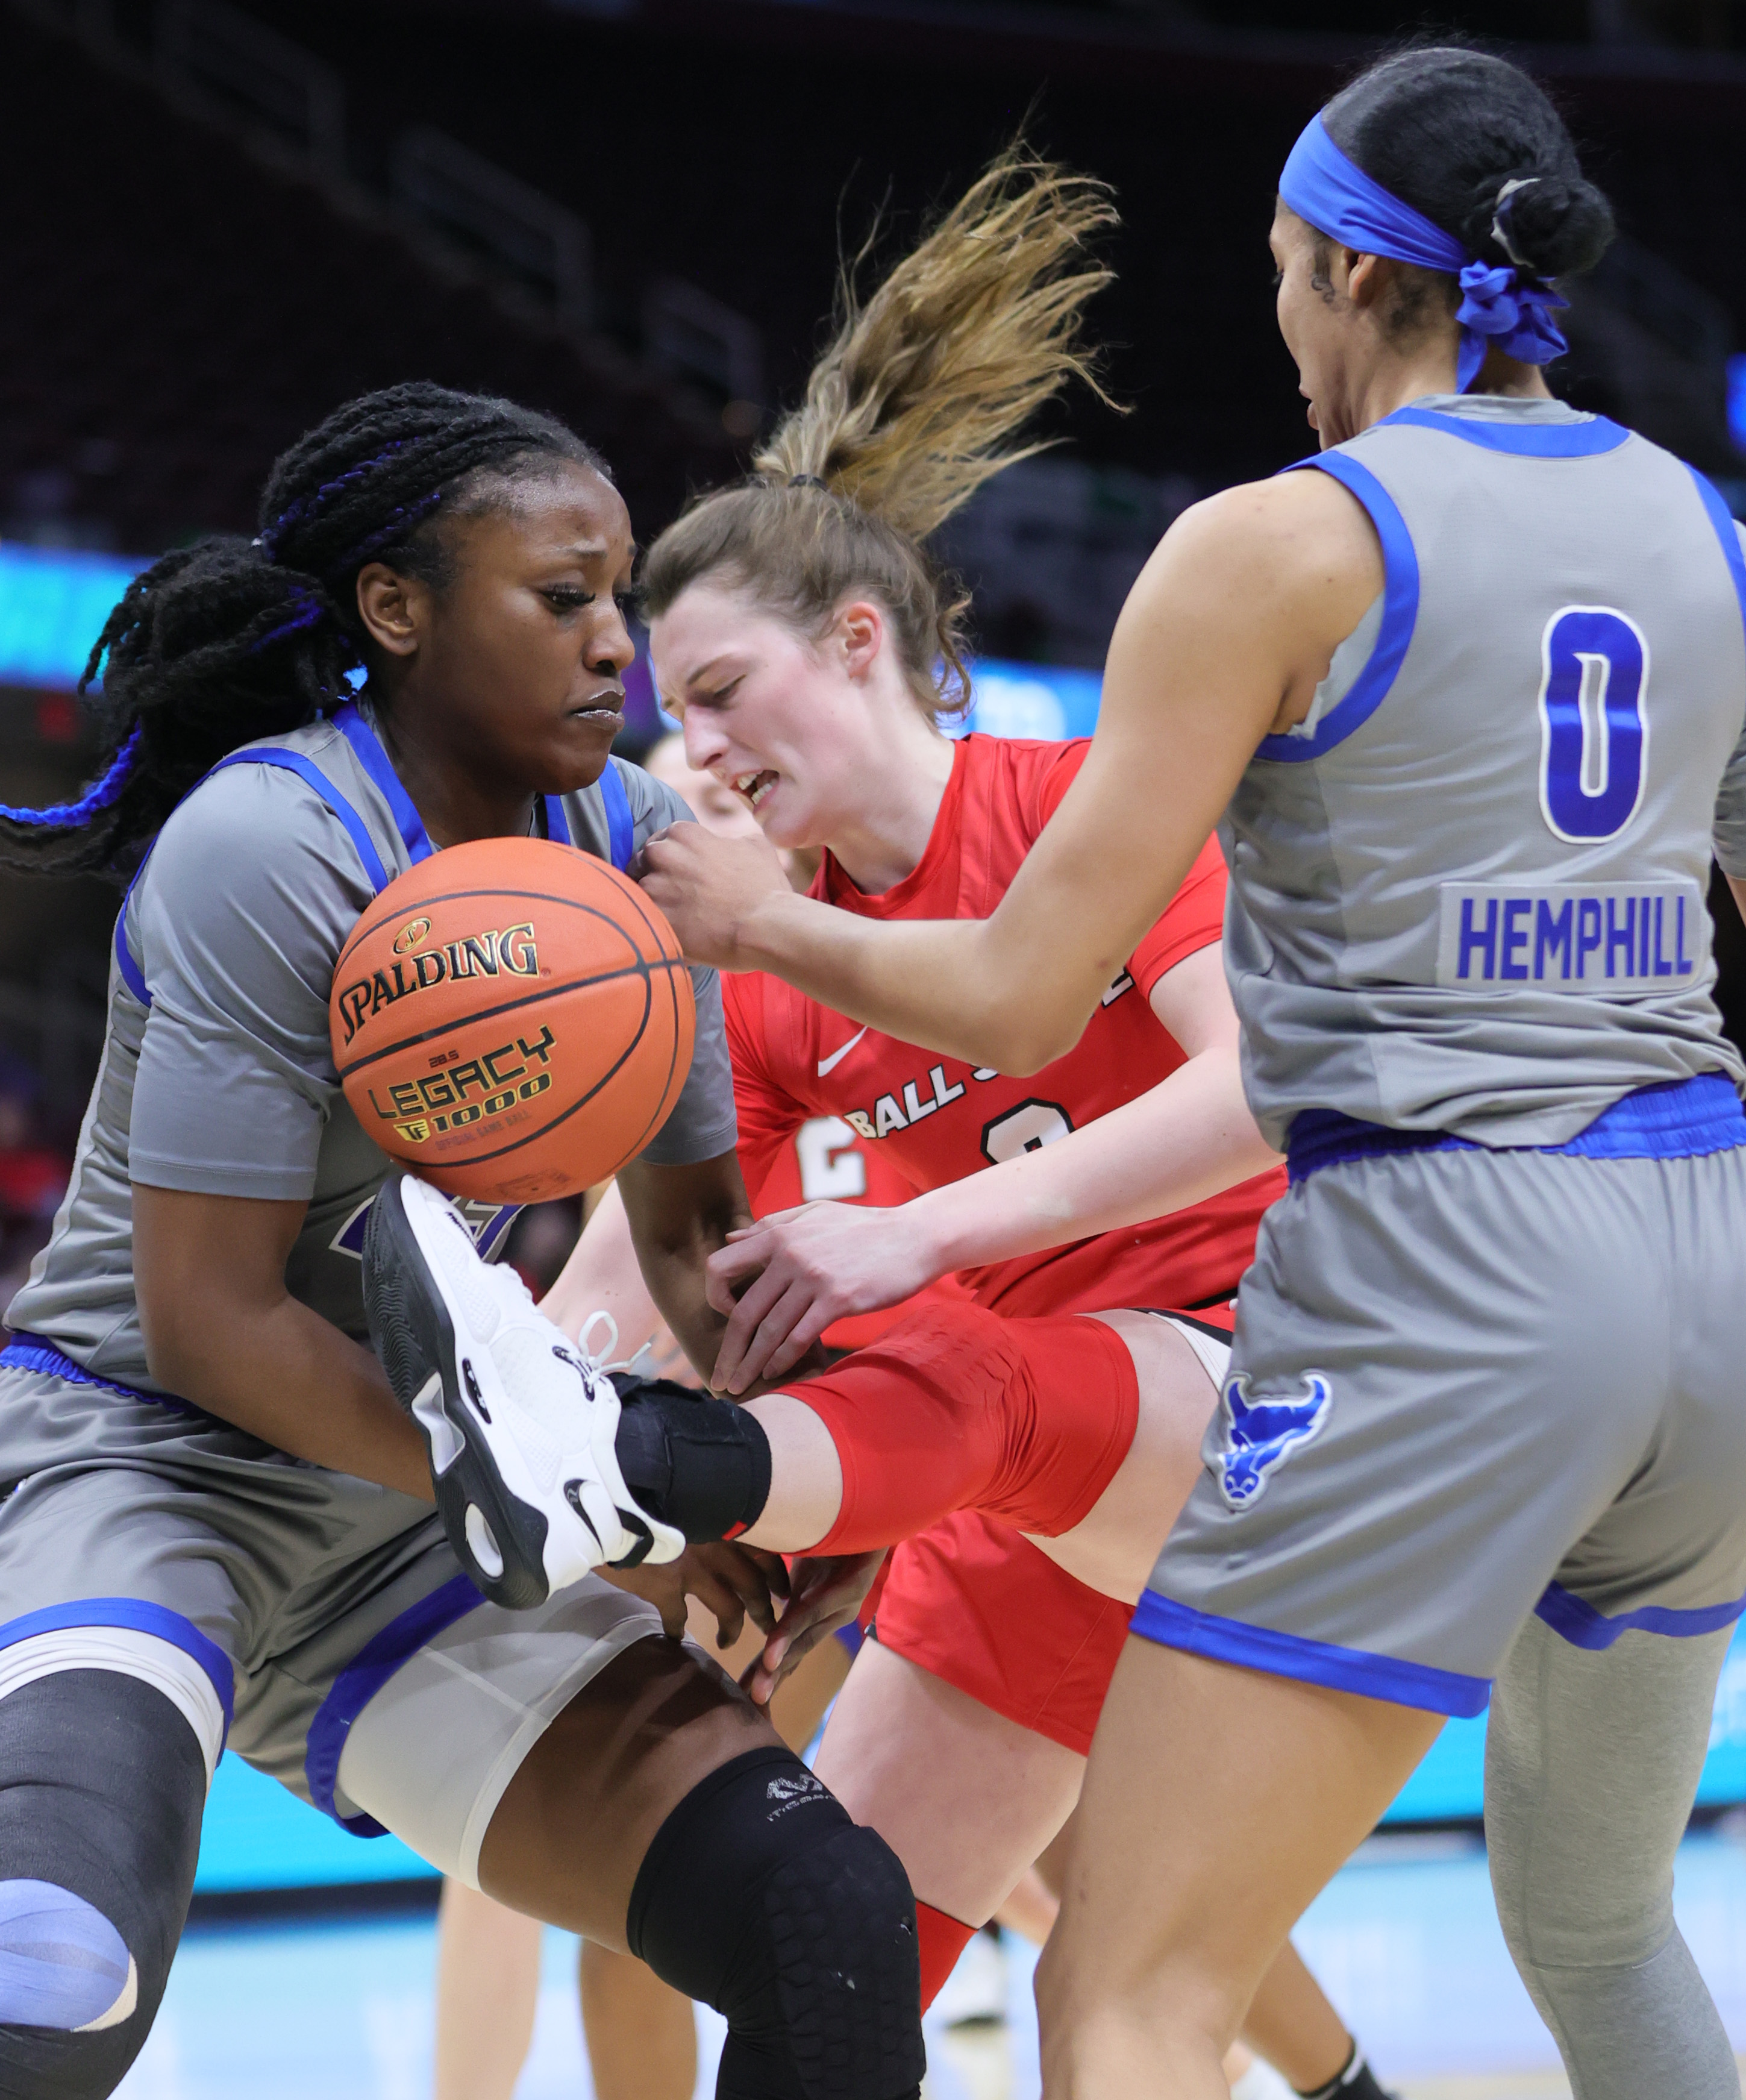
710 886
733 1582
825 1594
782 1282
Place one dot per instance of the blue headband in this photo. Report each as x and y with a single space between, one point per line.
1338 198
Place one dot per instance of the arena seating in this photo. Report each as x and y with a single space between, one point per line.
175 312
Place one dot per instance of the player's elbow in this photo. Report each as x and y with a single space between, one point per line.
173 1353
177 1326
1015 1037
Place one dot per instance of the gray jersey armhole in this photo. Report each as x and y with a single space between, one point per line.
1728 831
1344 669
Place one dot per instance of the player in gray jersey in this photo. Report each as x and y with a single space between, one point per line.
216 1523
1471 702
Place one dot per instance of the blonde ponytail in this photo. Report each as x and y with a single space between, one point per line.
910 409
922 395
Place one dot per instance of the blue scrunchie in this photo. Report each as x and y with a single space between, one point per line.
1338 199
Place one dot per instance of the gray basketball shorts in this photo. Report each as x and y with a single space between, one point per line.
1465 1386
319 1624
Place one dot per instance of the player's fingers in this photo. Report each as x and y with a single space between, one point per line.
764 1673
750 1586
807 1330
761 1321
722 1603
649 856
773 1568
773 1330
729 1265
748 1312
767 1671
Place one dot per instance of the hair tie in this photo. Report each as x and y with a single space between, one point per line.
309 612
68 816
808 481
1335 196
1500 217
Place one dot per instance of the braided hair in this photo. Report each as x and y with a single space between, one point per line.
232 639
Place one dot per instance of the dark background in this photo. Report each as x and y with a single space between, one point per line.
178 309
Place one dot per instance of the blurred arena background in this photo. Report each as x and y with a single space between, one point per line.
225 220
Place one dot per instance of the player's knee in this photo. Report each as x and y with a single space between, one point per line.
62 1965
70 1988
101 1784
760 1897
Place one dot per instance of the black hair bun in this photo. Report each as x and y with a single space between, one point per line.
1556 224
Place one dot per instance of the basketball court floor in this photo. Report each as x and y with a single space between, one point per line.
1405 1940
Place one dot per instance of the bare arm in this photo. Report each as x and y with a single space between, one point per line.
602 1276
678 1216
1225 636
1737 884
222 1330
1186 1139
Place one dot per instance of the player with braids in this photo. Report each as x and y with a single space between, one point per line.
800 629
1466 692
230 639
218 1524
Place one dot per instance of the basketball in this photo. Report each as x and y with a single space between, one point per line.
513 1019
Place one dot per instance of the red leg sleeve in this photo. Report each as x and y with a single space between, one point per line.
1025 1420
940 1940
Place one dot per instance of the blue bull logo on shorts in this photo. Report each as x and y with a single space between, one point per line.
1259 1437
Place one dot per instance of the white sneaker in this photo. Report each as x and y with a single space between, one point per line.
519 1423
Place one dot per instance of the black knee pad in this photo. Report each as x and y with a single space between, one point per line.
102 1787
759 1897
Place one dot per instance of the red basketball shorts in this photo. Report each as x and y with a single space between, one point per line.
974 1603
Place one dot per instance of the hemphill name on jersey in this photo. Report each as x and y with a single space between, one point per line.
888 1115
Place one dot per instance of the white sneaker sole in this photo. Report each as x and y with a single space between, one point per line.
517 1541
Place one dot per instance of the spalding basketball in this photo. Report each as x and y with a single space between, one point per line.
512 1019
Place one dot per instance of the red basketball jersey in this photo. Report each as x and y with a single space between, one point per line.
828 1161
936 1119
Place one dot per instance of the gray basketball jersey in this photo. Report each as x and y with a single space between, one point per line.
1468 892
217 1075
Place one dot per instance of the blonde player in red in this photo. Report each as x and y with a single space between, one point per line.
961 1733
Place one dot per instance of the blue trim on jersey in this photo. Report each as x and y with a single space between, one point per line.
1583 1626
36 1352
375 761
1370 688
1526 440
621 827
557 824
362 1678
1172 1625
1673 1119
137 1616
1723 519
132 975
312 776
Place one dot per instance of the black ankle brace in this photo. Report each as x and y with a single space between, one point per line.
1356 2081
699 1463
